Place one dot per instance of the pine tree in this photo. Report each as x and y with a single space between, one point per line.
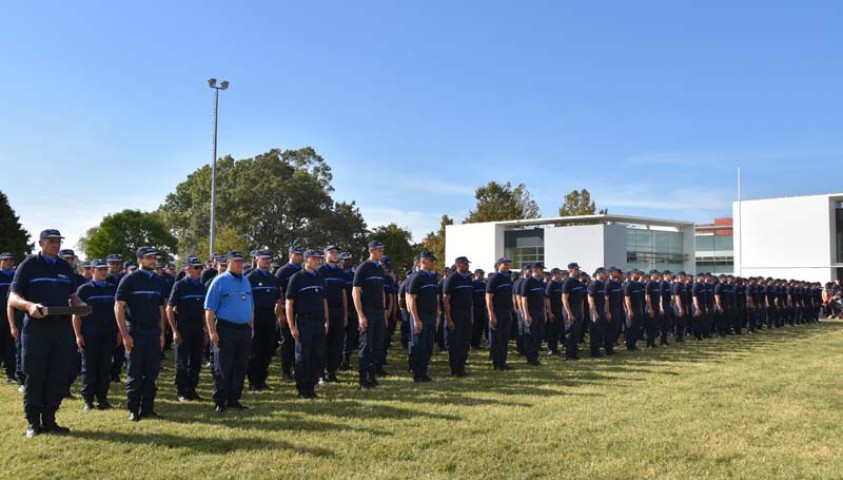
13 237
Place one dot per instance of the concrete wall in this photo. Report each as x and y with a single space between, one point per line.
482 243
584 244
785 237
614 247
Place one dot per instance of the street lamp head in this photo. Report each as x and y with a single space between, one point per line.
224 85
212 82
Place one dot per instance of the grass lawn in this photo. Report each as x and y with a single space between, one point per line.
763 406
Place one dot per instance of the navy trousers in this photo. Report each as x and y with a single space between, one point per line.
597 333
371 343
143 364
633 330
334 340
189 356
421 344
480 327
458 340
288 350
96 362
352 335
499 337
46 346
231 360
263 344
572 336
310 351
532 335
7 347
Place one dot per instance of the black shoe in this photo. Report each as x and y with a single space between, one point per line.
33 430
134 417
417 379
610 352
506 367
426 378
572 359
88 406
289 376
56 429
366 386
534 363
195 397
555 353
12 380
332 377
219 408
151 414
381 372
235 404
104 405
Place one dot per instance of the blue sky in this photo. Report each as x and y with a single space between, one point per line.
650 105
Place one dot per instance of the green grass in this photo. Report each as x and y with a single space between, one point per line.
766 406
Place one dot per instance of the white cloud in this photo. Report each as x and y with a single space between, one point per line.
418 223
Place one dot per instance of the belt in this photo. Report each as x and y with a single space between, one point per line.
237 326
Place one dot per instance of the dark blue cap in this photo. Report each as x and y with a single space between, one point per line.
600 270
144 251
262 254
555 271
427 256
573 265
375 244
98 263
192 261
234 255
615 269
386 260
346 256
170 266
114 257
49 233
502 260
667 272
274 265
479 270
654 271
295 249
681 273
462 260
6 256
538 265
67 253
312 253
331 247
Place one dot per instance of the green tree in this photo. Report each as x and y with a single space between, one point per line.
496 202
435 241
399 245
124 232
576 203
273 200
13 237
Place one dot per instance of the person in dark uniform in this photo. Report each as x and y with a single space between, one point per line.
439 334
7 324
722 302
423 306
710 310
534 312
573 297
267 303
214 264
186 316
96 335
115 274
678 306
369 302
598 304
140 317
459 304
521 327
390 289
352 331
633 292
335 294
288 348
698 293
229 309
405 313
653 300
555 321
667 320
44 280
499 304
480 325
307 310
614 309
70 257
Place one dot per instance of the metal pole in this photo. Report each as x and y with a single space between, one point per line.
740 229
214 174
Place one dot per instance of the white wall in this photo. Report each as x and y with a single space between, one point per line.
784 238
482 243
583 244
614 247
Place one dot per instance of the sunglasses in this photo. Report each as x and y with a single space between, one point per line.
197 267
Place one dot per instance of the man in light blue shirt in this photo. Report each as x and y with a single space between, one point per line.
229 319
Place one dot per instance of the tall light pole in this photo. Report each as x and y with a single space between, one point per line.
222 86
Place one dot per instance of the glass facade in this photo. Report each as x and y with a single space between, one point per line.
649 249
715 253
839 228
524 246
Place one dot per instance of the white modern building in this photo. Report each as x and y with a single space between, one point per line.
790 237
592 241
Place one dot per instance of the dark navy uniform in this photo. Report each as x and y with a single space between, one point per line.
654 300
7 342
614 292
336 296
597 332
423 285
556 326
142 292
499 285
307 291
480 327
458 286
369 276
634 290
266 293
99 331
352 329
47 343
405 314
667 320
576 296
679 309
187 297
533 291
288 348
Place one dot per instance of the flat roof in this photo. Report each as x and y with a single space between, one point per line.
785 197
602 218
